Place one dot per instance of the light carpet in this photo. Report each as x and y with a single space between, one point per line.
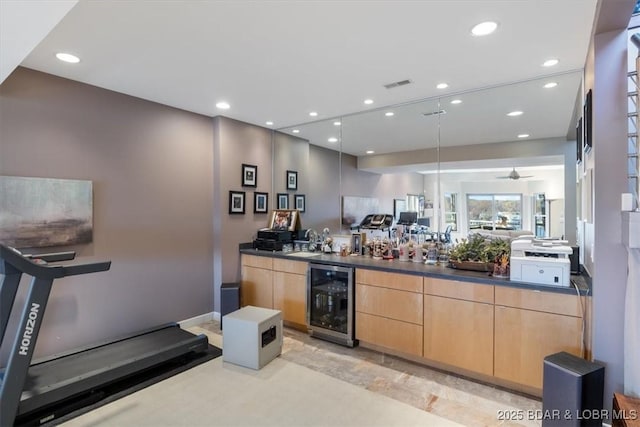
282 393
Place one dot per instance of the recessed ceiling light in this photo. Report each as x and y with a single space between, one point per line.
370 151
442 86
368 101
313 114
296 131
550 63
389 113
523 135
337 123
457 101
550 85
484 28
67 57
269 123
332 139
514 113
223 105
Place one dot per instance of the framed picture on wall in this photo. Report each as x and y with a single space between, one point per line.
260 202
579 141
292 180
284 219
249 175
299 202
236 202
283 201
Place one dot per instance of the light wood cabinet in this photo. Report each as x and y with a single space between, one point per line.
402 282
459 290
458 324
536 325
459 333
393 304
258 261
256 286
389 310
393 334
531 299
290 291
497 333
524 337
276 283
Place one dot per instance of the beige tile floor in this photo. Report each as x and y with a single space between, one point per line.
448 396
314 383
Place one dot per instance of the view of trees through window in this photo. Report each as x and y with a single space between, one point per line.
494 211
451 210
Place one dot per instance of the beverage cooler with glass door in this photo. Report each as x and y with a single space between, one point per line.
330 305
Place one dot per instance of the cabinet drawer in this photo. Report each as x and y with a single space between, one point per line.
289 266
257 261
459 290
390 303
391 334
532 299
403 282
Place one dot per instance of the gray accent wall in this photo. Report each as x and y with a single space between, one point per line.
151 168
607 77
237 143
161 179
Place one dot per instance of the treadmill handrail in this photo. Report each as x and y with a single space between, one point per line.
53 256
30 265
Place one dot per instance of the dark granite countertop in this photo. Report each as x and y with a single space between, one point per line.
583 281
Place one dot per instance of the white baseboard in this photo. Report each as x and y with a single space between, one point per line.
197 320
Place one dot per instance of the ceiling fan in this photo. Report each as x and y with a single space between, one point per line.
514 175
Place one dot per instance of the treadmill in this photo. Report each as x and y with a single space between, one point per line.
50 388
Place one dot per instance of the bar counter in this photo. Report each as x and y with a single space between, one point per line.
582 281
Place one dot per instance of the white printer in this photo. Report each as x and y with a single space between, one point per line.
541 261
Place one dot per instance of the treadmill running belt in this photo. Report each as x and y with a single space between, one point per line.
78 373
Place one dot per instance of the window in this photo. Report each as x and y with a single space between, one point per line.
540 215
494 211
451 210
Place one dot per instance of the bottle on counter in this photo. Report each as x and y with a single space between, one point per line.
432 254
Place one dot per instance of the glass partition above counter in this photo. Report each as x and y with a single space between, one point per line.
442 149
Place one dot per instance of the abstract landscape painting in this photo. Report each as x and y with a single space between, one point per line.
38 212
354 209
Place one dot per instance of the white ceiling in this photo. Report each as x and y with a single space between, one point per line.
279 60
480 118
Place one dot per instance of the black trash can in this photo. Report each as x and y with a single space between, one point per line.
229 299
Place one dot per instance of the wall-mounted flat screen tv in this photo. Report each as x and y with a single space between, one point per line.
587 135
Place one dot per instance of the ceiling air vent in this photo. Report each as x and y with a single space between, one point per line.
396 84
435 113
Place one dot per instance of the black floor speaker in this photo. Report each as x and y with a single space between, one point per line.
572 391
229 299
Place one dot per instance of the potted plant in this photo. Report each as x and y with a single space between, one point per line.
498 252
469 254
480 254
